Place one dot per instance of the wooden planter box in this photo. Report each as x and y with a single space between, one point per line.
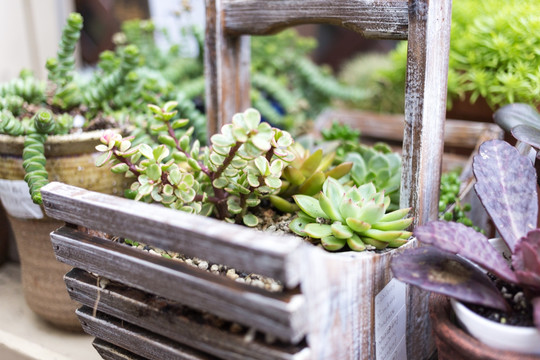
333 305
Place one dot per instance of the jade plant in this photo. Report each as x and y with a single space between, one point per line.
242 166
353 216
506 186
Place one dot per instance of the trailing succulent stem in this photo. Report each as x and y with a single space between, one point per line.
34 154
242 166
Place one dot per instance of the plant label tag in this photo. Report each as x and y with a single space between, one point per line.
17 201
390 322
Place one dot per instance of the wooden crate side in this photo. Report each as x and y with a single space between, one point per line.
135 339
280 314
341 290
108 351
174 230
375 19
184 325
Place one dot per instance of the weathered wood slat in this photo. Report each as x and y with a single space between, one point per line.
183 325
135 339
227 70
457 133
279 314
109 351
375 19
193 235
425 108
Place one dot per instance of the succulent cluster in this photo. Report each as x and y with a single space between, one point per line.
353 216
306 175
506 186
243 165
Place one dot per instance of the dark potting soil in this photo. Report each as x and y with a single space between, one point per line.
521 314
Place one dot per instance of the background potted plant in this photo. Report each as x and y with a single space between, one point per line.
492 62
454 264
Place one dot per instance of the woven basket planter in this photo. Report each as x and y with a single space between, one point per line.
70 159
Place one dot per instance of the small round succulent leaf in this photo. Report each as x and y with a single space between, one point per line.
153 172
253 180
233 205
252 202
332 243
221 140
261 142
168 190
156 196
145 189
276 167
177 124
184 143
156 128
317 231
102 148
103 158
284 139
447 274
262 165
238 163
146 151
174 176
272 182
250 220
310 206
188 195
230 172
220 183
120 168
179 156
194 164
160 153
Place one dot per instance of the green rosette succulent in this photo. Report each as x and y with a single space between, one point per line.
355 217
306 175
382 168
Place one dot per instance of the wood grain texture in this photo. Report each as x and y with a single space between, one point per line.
425 107
280 314
165 228
341 290
375 19
457 133
135 339
227 67
109 351
184 325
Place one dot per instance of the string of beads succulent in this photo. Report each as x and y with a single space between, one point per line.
242 166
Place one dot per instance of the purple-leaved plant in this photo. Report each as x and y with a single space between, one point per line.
456 261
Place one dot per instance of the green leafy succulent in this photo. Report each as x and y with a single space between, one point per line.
354 216
306 175
383 169
243 165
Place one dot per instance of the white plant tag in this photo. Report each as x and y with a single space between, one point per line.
17 200
390 322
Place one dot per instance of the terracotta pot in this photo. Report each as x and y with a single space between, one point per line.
70 159
453 343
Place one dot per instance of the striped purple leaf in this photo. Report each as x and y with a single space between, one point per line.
448 274
506 186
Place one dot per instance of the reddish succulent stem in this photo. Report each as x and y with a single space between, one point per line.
124 160
227 161
170 130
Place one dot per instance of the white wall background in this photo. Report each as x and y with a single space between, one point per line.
29 34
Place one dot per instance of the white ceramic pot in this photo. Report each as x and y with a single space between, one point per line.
505 337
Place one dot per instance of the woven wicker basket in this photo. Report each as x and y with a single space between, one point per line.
70 159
